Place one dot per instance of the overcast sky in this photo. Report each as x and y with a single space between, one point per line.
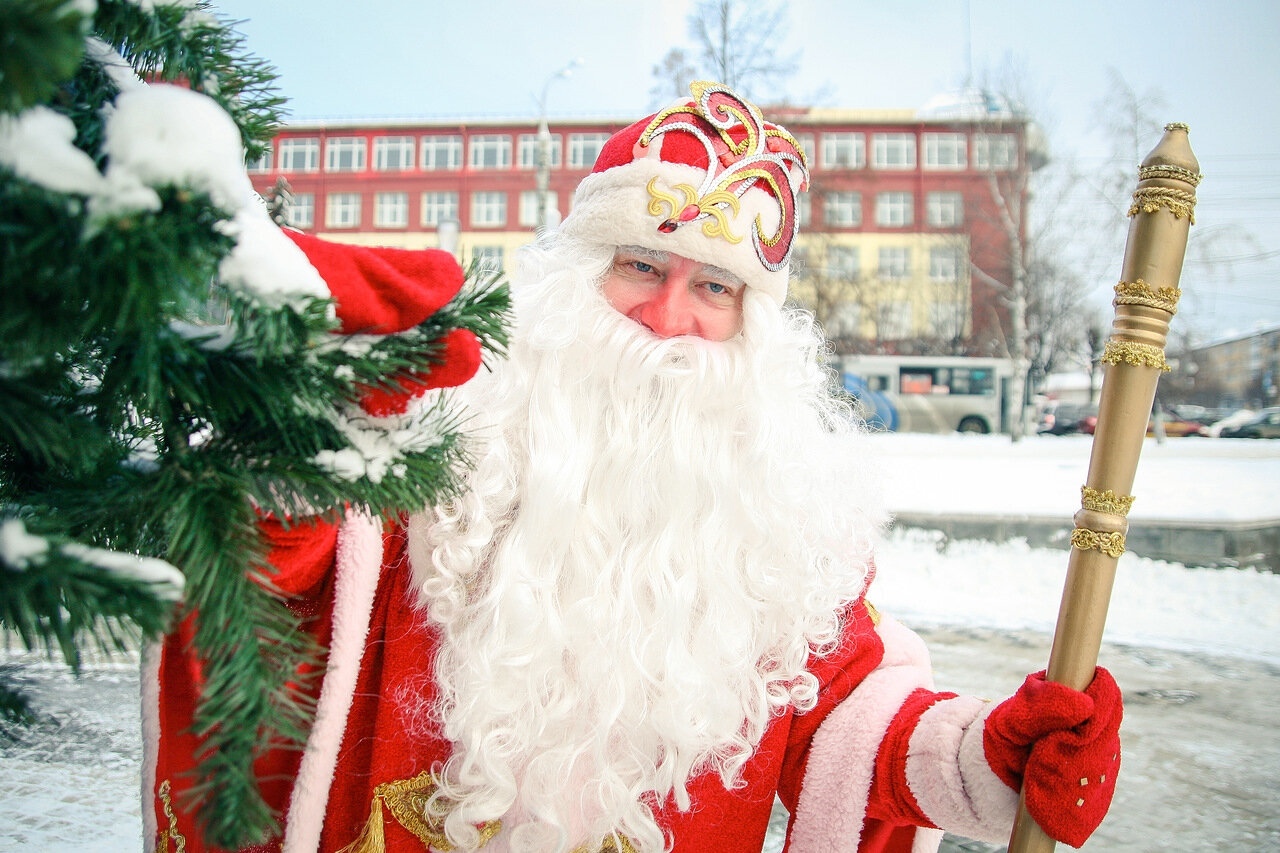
1214 65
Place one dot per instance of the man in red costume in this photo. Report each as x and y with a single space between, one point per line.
646 619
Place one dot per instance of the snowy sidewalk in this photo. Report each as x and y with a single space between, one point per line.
1200 772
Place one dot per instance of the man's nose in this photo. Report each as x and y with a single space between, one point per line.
669 311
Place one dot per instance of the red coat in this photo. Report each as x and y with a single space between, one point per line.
844 770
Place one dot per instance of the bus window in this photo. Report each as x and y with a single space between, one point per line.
917 381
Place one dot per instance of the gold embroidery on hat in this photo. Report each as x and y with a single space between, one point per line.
671 207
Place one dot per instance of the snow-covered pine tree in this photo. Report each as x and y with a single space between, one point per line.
168 369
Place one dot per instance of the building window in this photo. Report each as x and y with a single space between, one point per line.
893 150
584 148
842 210
529 206
345 154
844 151
301 212
944 209
261 164
441 153
843 262
391 210
439 207
895 262
300 155
805 142
488 257
944 263
945 151
894 210
393 153
804 209
845 320
342 210
893 321
528 151
488 209
995 151
491 151
947 320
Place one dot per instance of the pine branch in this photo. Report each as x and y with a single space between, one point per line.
147 407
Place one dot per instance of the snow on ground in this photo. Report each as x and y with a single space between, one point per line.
1195 649
925 580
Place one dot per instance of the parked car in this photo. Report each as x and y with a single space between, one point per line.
1266 424
1067 419
1238 418
1176 426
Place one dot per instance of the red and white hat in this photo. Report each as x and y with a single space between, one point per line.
706 178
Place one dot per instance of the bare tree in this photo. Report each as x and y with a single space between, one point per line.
672 77
738 44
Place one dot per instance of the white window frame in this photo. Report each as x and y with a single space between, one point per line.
948 319
842 209
394 153
944 263
438 207
342 210
301 212
844 150
391 210
844 262
488 209
995 152
944 209
808 144
489 257
528 217
260 164
345 153
893 263
804 209
440 152
893 151
304 148
895 209
946 151
584 148
894 320
489 151
527 151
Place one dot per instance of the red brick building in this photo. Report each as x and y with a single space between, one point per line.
900 213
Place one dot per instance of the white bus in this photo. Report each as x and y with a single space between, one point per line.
924 393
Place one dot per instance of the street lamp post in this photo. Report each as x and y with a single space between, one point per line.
544 145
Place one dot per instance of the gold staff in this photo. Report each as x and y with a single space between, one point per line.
1146 299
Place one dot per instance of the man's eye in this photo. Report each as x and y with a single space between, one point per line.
641 266
717 288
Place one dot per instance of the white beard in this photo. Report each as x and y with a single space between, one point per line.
657 536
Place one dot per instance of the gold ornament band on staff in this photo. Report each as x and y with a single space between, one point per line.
1146 300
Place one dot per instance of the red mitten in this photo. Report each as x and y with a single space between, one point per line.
380 290
1065 744
457 361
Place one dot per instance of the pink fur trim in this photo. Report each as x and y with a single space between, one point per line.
359 566
149 690
949 775
837 777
